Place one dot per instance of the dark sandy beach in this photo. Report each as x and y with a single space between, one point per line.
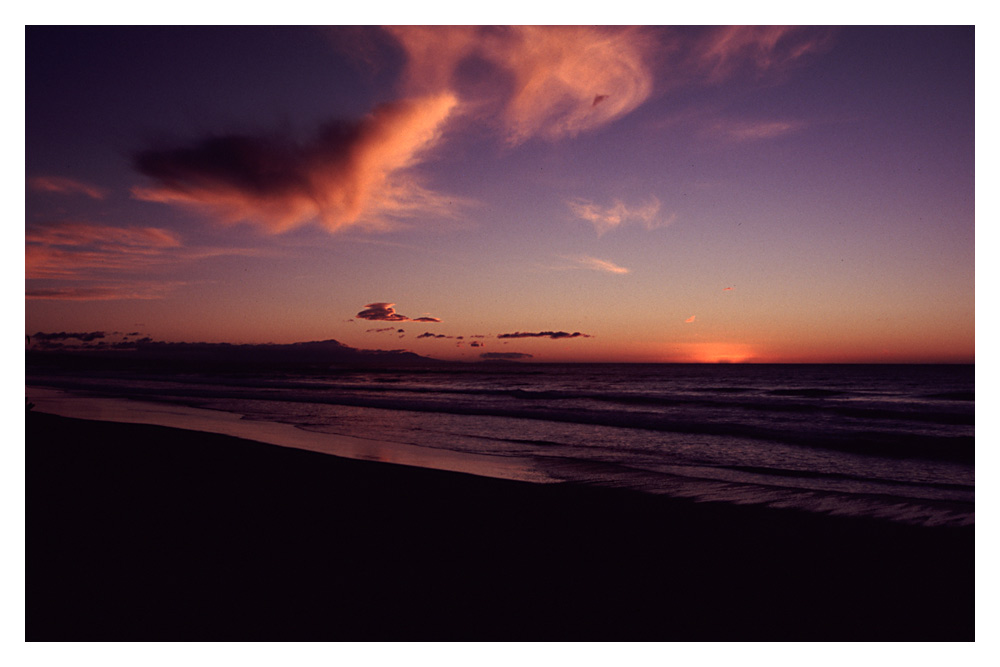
150 533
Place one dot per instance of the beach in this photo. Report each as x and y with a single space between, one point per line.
141 532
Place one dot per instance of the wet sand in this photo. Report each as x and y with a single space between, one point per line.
139 532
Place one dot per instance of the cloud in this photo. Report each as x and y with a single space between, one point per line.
431 335
78 250
134 240
385 312
606 218
380 330
723 51
65 186
744 131
106 262
554 335
349 174
122 291
596 264
62 335
547 81
690 319
505 356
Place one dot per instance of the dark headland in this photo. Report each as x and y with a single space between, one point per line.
150 533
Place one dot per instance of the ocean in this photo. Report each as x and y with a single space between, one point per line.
890 441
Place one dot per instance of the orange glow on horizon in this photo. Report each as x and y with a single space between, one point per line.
716 353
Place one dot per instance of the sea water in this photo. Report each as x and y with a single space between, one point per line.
893 441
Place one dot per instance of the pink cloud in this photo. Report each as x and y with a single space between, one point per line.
73 249
384 312
727 49
690 319
551 81
107 292
65 186
349 174
743 131
600 265
606 218
92 260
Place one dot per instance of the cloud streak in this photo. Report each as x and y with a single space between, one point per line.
348 174
79 249
607 218
384 312
124 291
554 335
595 264
62 335
742 131
95 259
505 356
65 186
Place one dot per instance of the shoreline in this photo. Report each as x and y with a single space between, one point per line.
716 485
89 406
139 532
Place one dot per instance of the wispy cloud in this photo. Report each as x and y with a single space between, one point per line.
384 312
104 262
748 130
75 249
349 174
62 335
554 335
65 186
551 81
606 218
505 356
595 264
725 50
121 291
690 319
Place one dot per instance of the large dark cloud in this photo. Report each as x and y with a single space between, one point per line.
554 335
347 173
384 312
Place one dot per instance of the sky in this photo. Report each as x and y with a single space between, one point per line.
561 193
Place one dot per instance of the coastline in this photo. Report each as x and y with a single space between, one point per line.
81 405
140 532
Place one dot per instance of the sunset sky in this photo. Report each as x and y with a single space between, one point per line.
570 193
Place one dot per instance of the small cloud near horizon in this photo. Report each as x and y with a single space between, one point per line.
690 319
62 335
384 312
505 356
554 335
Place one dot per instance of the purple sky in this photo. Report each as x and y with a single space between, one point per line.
669 194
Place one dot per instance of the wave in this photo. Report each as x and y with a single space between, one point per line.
872 435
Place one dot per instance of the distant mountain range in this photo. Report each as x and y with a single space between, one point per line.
324 352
